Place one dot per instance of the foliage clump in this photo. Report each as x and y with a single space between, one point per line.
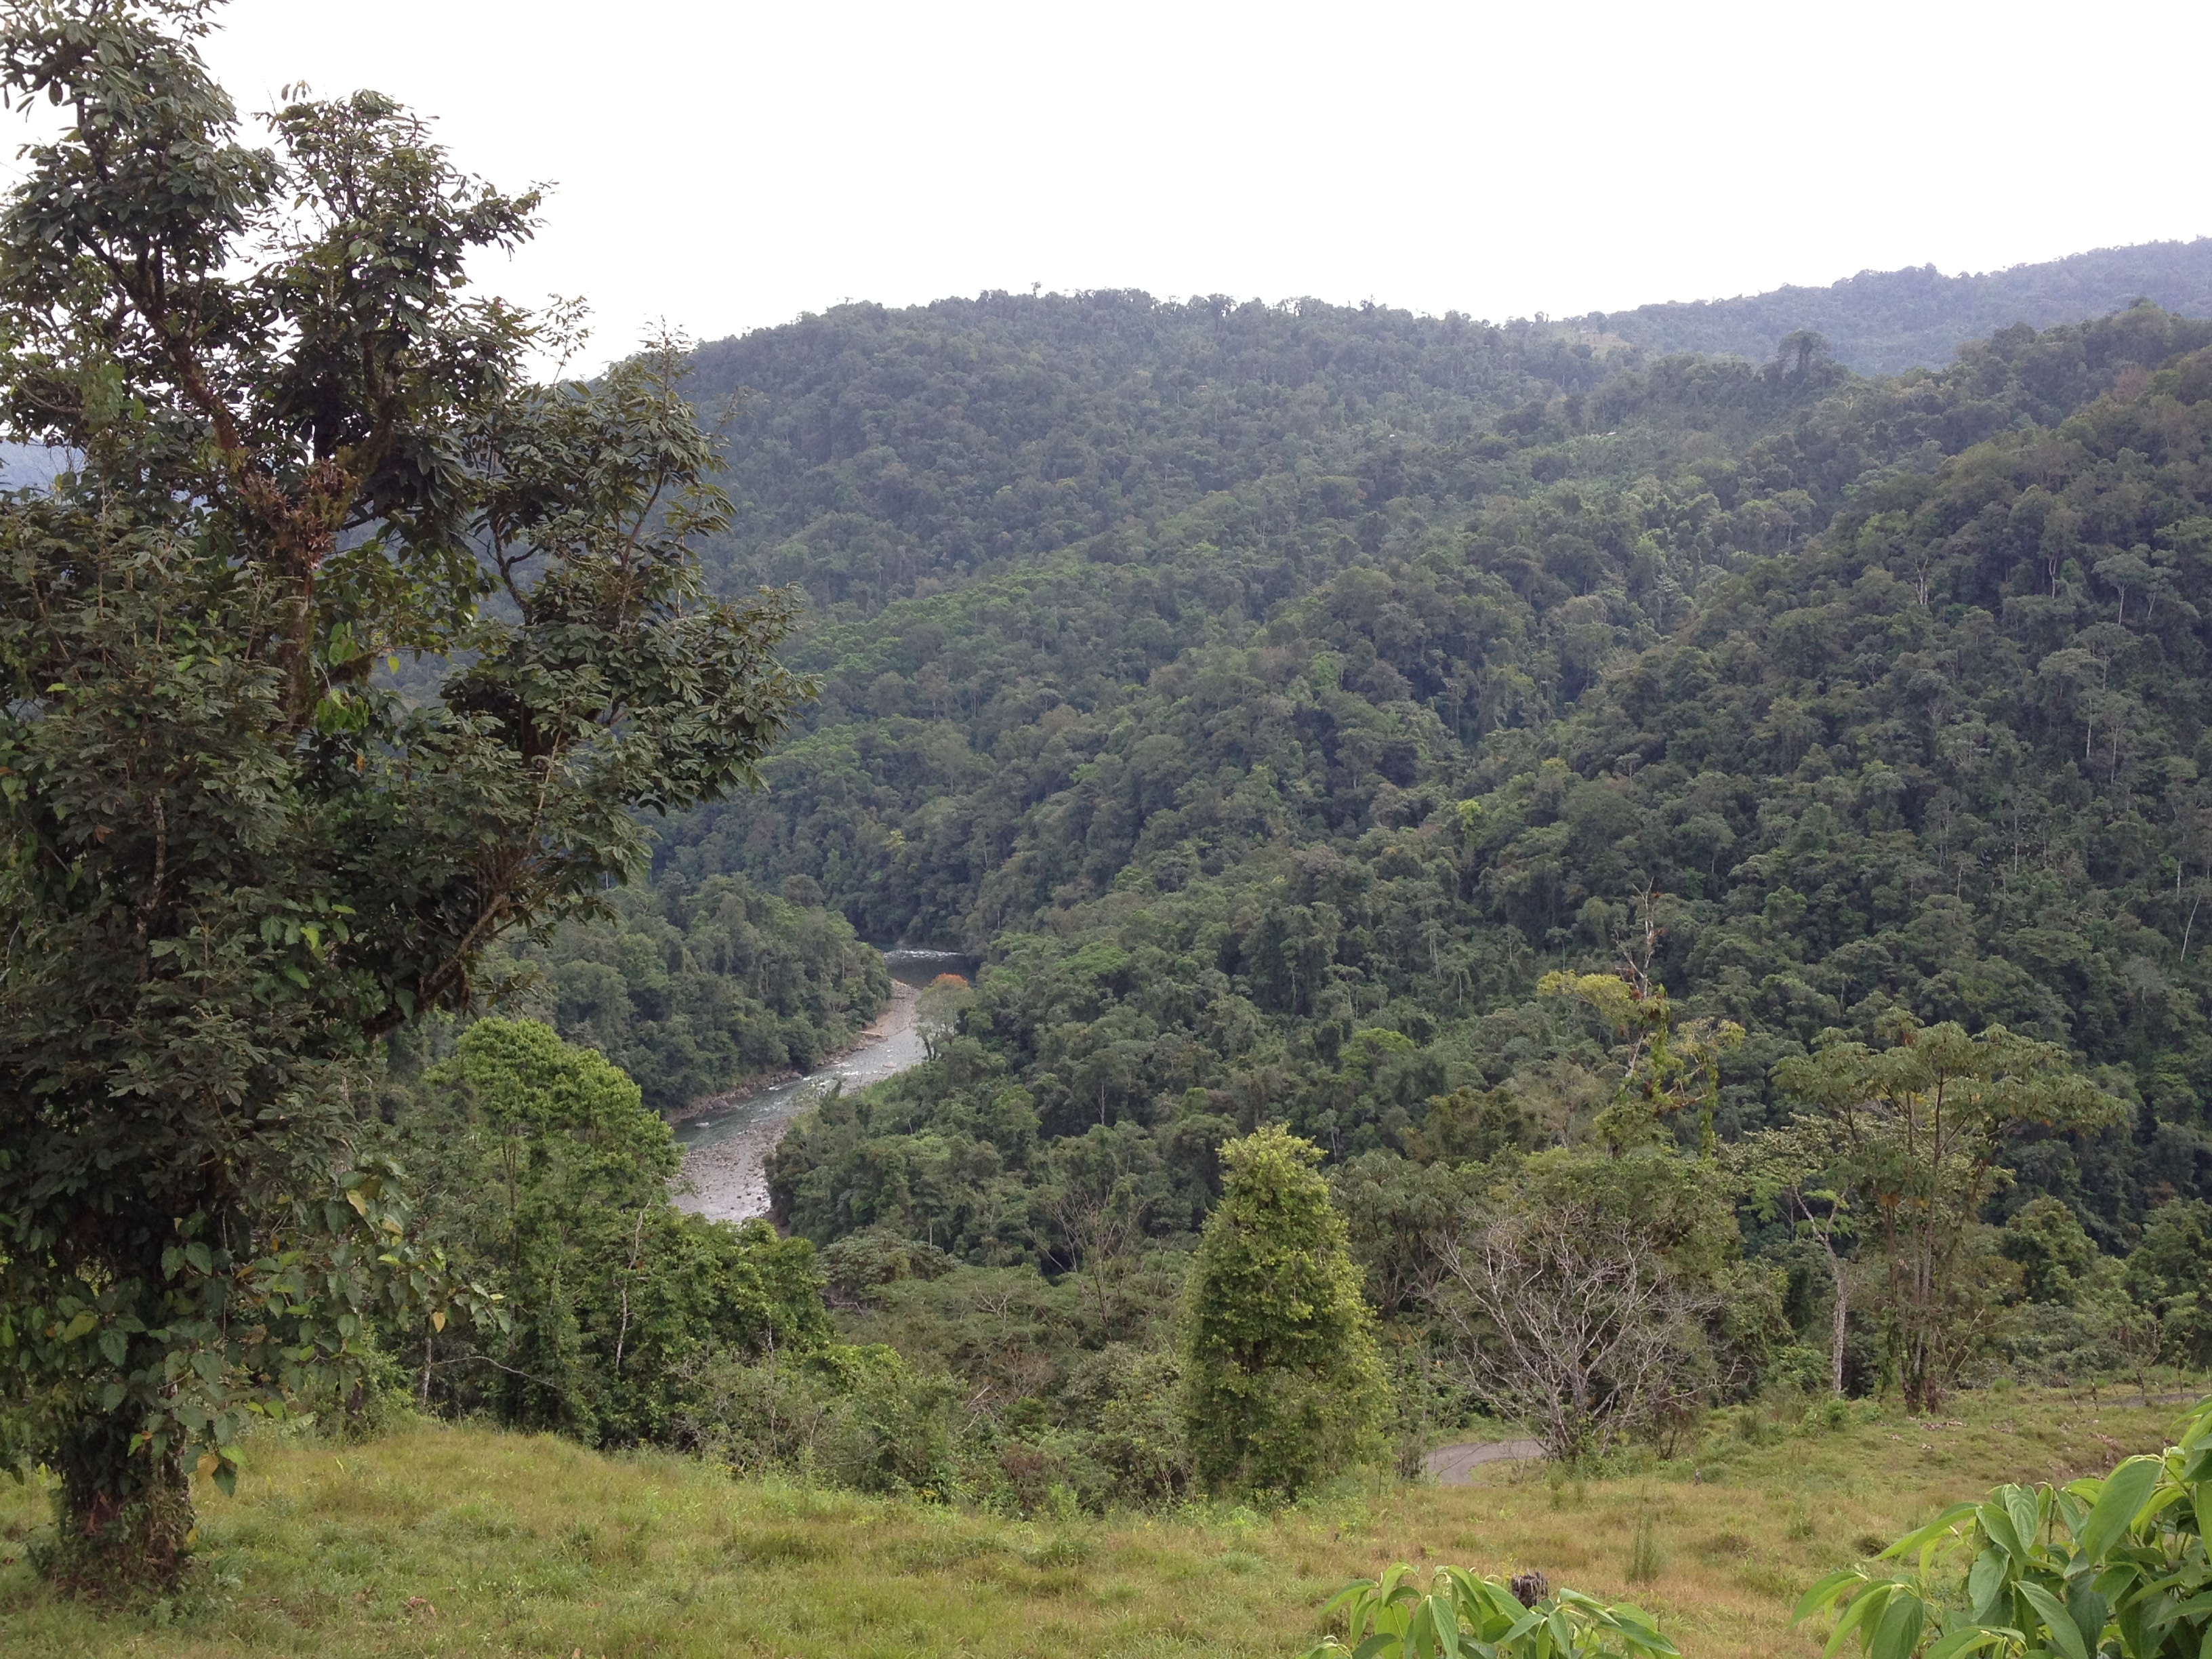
2110 1565
541 1171
1601 1298
1918 1130
231 860
1461 1612
1282 1382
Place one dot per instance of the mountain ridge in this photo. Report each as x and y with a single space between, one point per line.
1931 314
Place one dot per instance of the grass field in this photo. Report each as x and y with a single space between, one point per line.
442 1540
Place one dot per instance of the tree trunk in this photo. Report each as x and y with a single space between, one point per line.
1923 1391
122 1517
1842 1319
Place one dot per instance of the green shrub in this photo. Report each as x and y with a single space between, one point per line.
891 1432
1462 1613
543 1172
1282 1384
2116 1566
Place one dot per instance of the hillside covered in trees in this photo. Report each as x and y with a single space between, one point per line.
1352 692
1515 883
1883 322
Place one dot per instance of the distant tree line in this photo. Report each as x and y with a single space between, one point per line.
1884 322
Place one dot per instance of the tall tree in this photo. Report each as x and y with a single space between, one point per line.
1790 1173
1282 1382
539 1168
1920 1126
231 859
1667 1064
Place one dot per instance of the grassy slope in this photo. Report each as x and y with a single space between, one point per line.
442 1540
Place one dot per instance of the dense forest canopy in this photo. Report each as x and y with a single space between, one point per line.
880 454
1277 795
1516 874
1883 322
692 989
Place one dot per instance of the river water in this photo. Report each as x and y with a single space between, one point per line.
726 1149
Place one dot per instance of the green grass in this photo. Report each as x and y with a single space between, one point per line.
442 1540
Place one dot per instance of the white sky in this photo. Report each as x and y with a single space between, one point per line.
725 166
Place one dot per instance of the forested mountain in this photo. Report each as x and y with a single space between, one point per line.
878 453
1510 877
1882 322
1277 797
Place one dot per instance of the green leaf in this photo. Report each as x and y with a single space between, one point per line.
114 1345
1941 1527
2062 1633
1347 1594
1985 1582
2003 1529
2088 1610
2138 1625
1824 1592
2125 1492
1866 1605
1447 1626
1898 1633
1964 1641
2114 1582
1420 1627
1520 1627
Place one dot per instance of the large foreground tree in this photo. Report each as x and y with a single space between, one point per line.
230 860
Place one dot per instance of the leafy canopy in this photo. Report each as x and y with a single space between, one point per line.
1920 1127
542 1171
229 859
1282 1382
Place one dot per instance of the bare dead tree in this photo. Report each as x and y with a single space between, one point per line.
1100 1213
1573 1322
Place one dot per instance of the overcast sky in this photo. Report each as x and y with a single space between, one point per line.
725 166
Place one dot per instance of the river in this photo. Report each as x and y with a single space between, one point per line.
726 1148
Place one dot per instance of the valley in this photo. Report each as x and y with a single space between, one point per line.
1075 970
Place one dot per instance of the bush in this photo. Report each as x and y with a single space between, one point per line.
854 1416
2115 1565
1137 1441
890 1432
543 1172
1282 1385
1460 1613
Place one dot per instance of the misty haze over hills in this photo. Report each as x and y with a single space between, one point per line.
1880 322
